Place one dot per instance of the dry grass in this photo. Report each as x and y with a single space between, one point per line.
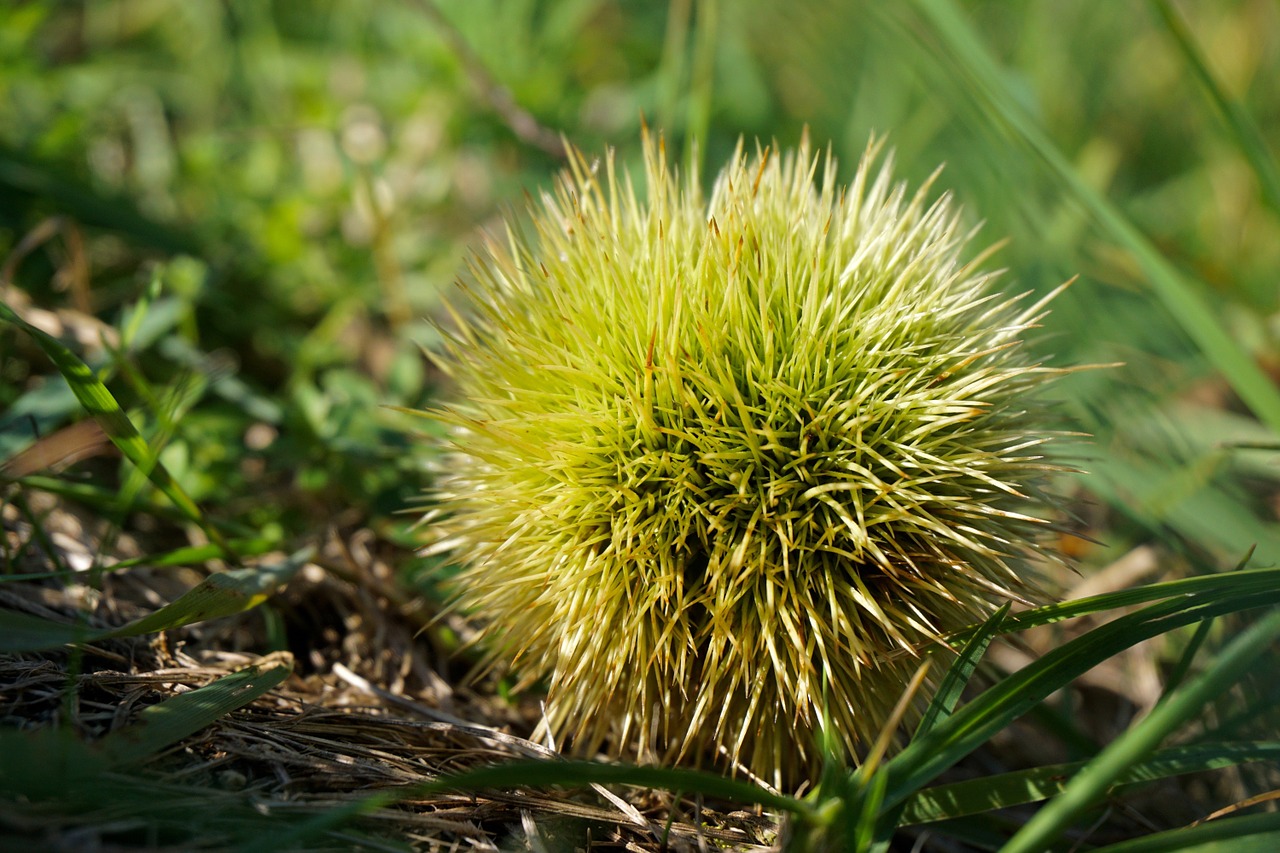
373 705
377 703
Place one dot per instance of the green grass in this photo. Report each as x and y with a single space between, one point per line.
224 234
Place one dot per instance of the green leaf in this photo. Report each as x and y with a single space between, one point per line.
540 774
974 796
982 78
107 501
925 757
293 836
50 763
1183 666
117 213
1091 783
181 716
221 594
941 707
41 764
958 676
228 386
45 763
104 408
1248 138
861 809
1260 580
1259 833
25 632
192 554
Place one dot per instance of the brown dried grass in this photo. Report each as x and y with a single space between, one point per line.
373 705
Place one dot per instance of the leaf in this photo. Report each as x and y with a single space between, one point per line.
49 763
1183 666
99 402
957 678
1244 131
537 774
861 808
107 501
192 554
941 707
1258 833
925 757
112 212
982 79
1091 783
181 716
292 836
1260 580
974 796
221 594
42 764
25 632
67 446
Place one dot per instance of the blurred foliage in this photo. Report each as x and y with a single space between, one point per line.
303 180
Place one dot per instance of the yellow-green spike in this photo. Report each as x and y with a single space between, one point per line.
718 460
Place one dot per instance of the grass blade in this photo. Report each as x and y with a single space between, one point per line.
1183 666
293 836
1258 833
188 555
974 796
1091 783
861 809
104 408
957 678
701 82
942 706
1261 580
24 632
539 774
107 500
117 213
46 763
981 78
221 594
925 757
181 716
54 764
1245 132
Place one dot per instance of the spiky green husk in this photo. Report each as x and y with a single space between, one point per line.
725 466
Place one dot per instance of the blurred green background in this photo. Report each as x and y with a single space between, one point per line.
267 199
